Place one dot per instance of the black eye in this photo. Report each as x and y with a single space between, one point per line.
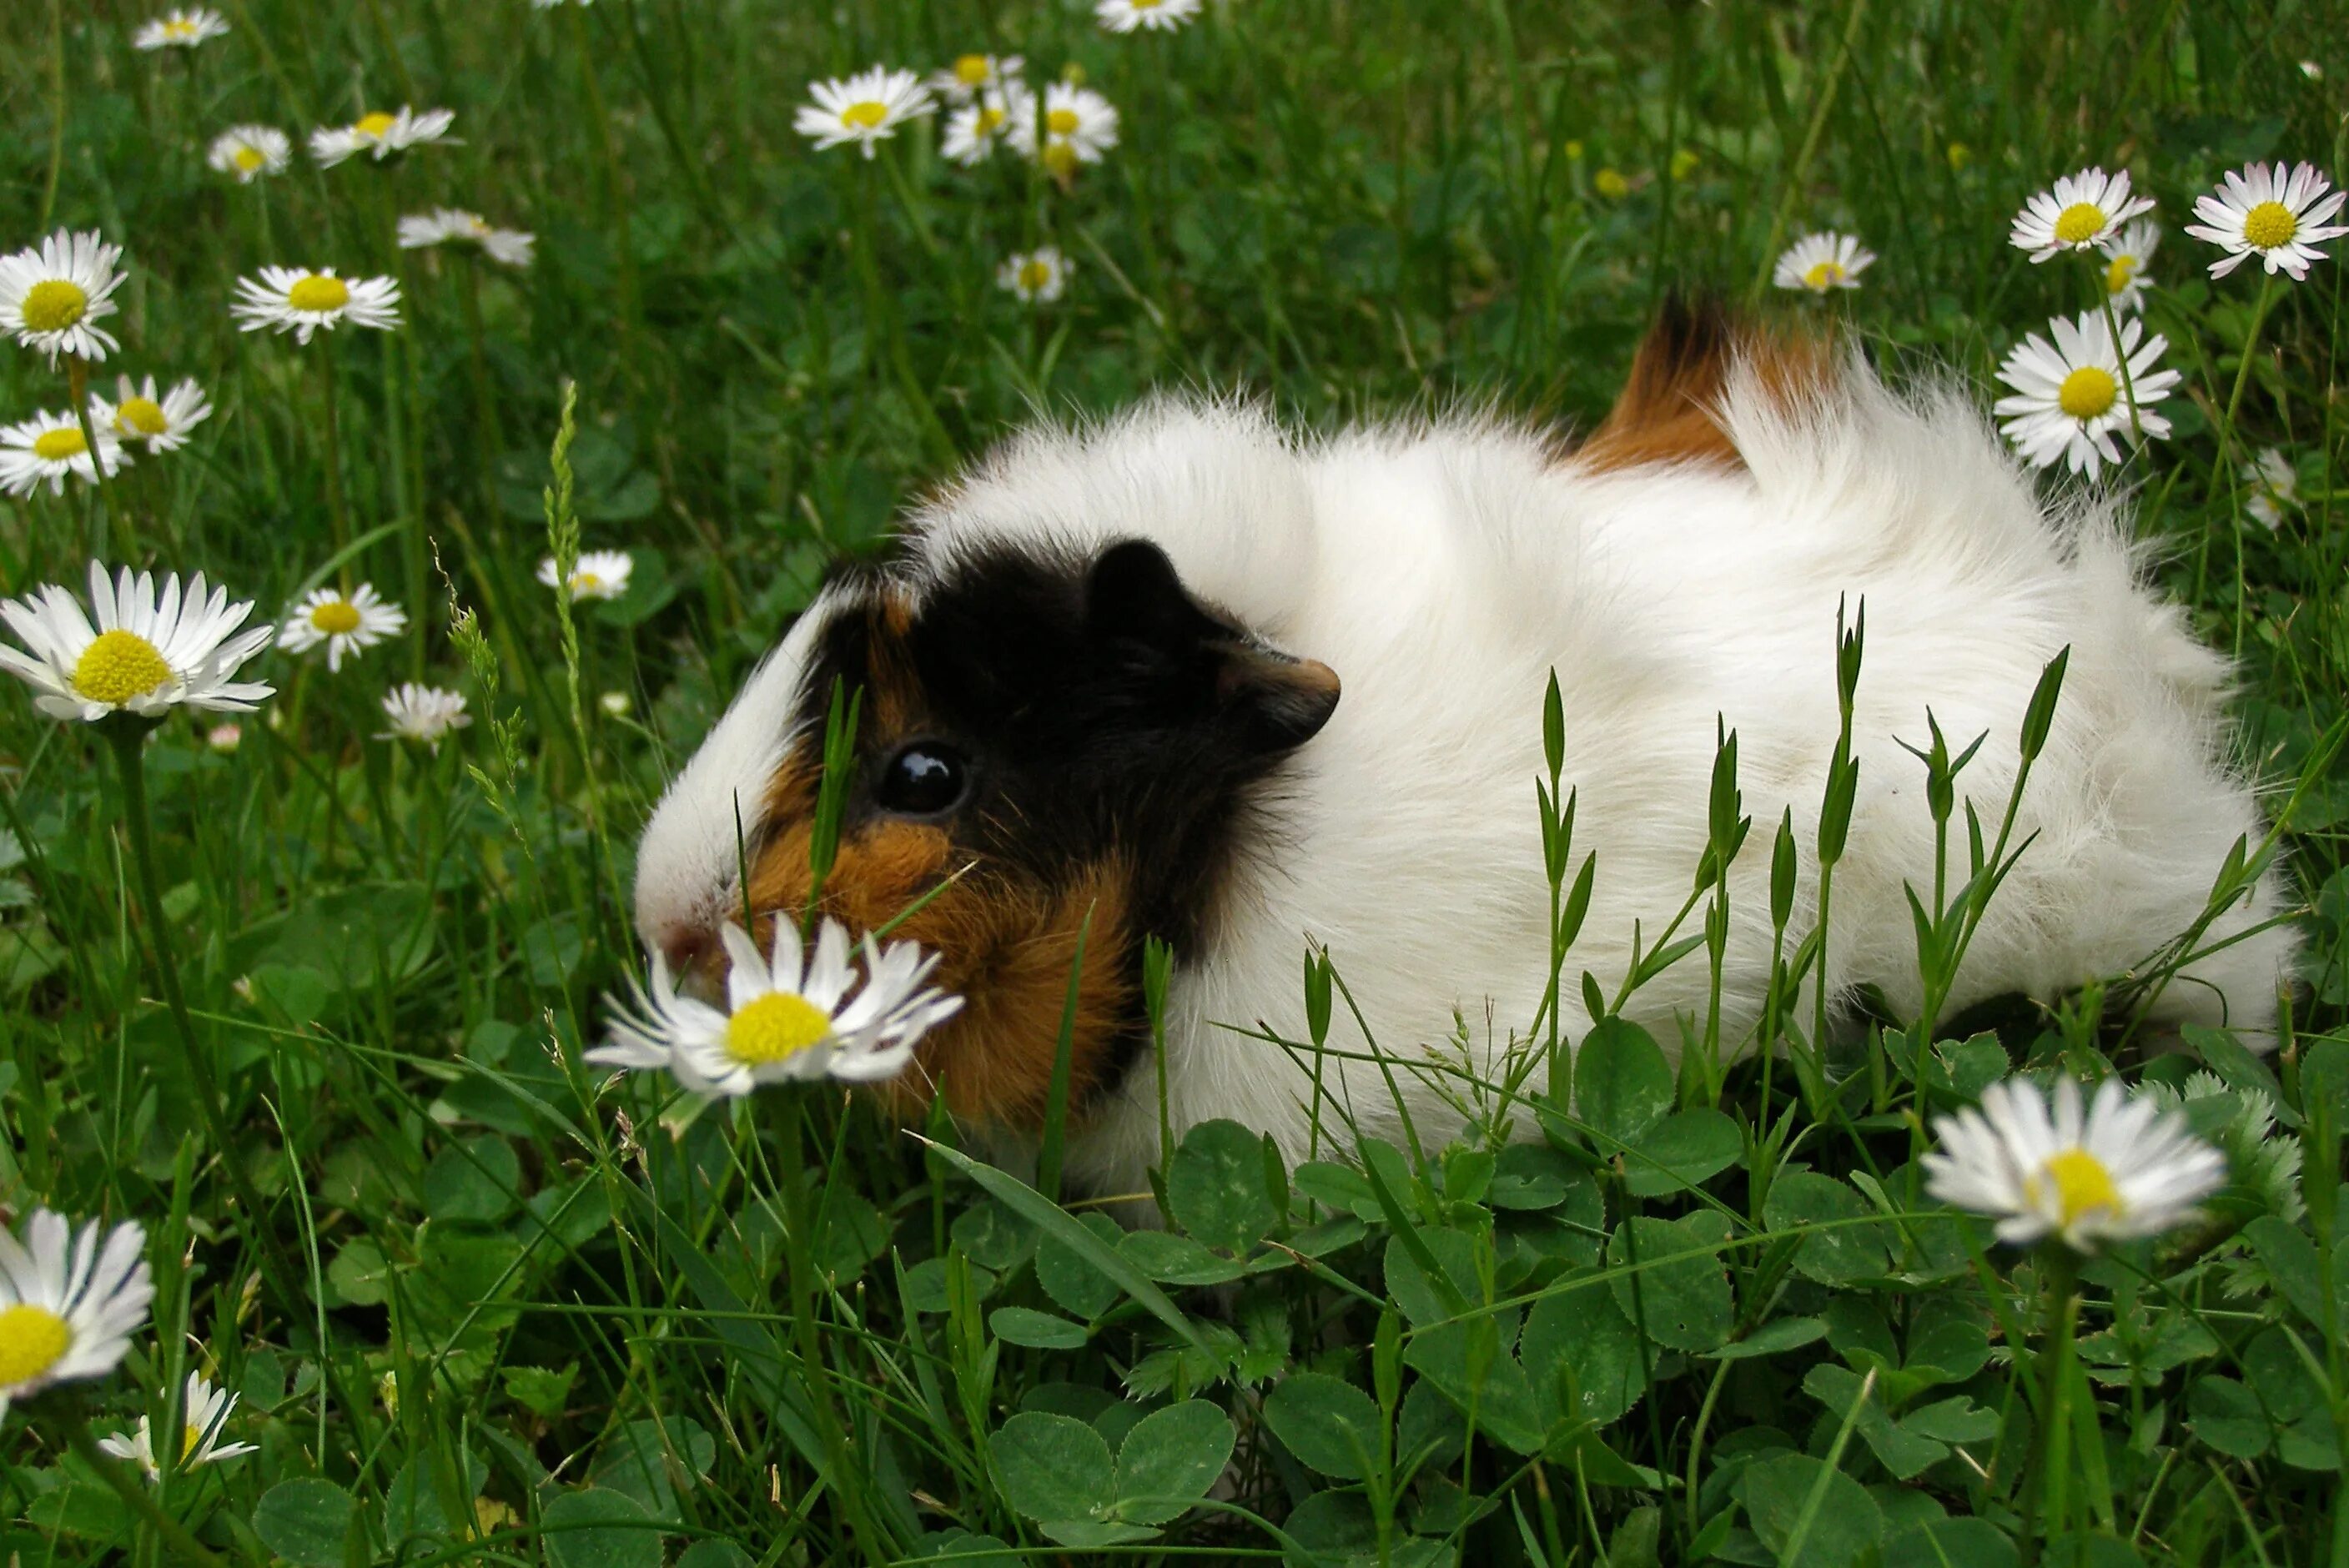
923 778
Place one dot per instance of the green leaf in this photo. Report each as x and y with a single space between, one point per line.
647 1459
1843 1527
304 1520
476 1181
1037 1330
1170 1459
1329 1424
1622 1086
1053 1467
2228 1417
360 1274
1953 1542
1683 1303
1779 1334
1582 1356
540 1390
1339 1187
1075 1285
1533 1176
1177 1260
714 1554
1904 1452
1841 1254
1216 1186
1681 1151
599 1527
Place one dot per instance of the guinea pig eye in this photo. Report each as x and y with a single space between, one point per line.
923 778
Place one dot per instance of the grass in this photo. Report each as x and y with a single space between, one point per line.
481 1309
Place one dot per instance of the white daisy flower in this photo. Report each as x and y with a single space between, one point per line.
2083 210
972 74
178 29
511 246
160 421
788 1017
423 713
52 296
550 5
2126 254
596 575
2280 215
51 446
975 130
345 623
1822 263
203 1421
290 299
381 134
865 108
250 151
68 1303
1158 16
1036 276
224 739
1077 125
143 654
2070 398
2274 485
2121 1171
618 704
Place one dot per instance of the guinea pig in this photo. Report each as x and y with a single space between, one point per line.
1187 674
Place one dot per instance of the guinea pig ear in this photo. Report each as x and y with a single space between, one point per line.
1262 699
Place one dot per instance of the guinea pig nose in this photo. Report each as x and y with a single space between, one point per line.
689 951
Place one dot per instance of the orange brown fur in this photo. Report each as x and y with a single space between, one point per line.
1666 411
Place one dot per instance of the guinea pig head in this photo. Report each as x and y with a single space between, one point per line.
1056 749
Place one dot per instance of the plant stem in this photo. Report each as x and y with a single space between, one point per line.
2226 443
2051 1461
335 516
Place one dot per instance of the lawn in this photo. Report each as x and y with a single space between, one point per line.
304 990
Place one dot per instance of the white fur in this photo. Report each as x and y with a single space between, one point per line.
1444 571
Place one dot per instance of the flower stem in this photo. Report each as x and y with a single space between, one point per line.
333 432
2227 442
2044 1499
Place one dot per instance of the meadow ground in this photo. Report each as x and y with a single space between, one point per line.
324 1039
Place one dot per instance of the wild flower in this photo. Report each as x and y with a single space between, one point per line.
249 152
68 1302
205 1413
2079 212
1036 276
158 420
343 624
2279 215
290 299
180 28
53 295
595 574
2071 397
1822 263
419 231
865 108
1154 15
2126 255
49 447
380 133
423 713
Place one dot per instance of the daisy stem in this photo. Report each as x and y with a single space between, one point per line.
2121 358
57 111
2228 447
2044 1486
332 430
105 525
185 1547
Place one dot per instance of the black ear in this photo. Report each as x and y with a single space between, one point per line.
1197 667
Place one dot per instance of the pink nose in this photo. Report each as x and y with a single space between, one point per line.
687 951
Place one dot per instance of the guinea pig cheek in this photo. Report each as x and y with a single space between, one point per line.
876 875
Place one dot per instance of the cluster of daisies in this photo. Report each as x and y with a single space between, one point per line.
2092 381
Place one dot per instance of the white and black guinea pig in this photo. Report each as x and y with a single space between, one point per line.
1187 674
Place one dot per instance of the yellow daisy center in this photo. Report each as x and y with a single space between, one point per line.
53 304
1147 4
1060 158
2083 1185
373 126
190 1437
140 417
313 292
32 1340
57 446
248 158
776 1028
179 27
1062 121
2270 224
990 120
1035 276
2080 223
116 666
970 70
334 617
2120 274
864 115
1823 275
586 583
2087 392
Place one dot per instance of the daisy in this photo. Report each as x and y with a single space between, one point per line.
142 653
788 1017
1158 16
250 151
2280 215
865 108
381 134
51 446
423 713
345 623
596 575
2083 210
180 29
1077 125
617 704
972 74
511 246
2274 486
224 739
1036 276
2126 254
203 1421
2070 396
51 298
293 300
2121 1171
68 1303
160 421
975 130
1822 263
